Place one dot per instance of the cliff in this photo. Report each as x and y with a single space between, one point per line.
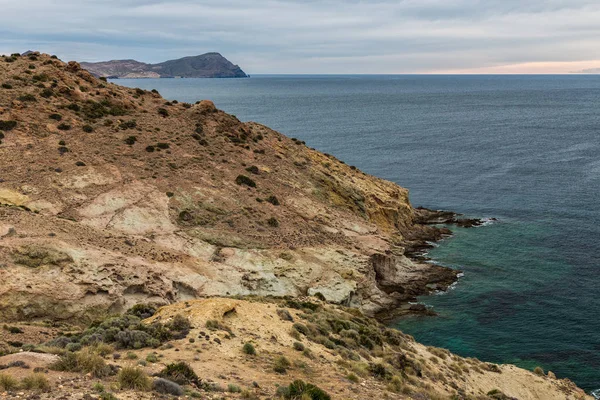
209 65
113 196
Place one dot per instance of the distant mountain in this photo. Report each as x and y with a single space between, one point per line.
209 65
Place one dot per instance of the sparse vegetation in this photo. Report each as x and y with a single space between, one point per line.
305 391
281 365
180 373
232 388
12 329
249 349
64 127
37 382
131 124
56 117
85 361
163 112
298 346
539 371
127 331
133 378
95 110
272 222
244 180
131 140
27 98
273 200
8 383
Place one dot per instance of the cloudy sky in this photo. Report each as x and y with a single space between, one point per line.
311 36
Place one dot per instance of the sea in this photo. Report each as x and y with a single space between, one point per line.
522 149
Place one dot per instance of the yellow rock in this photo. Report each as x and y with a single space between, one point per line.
12 198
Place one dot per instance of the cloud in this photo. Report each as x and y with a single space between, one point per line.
330 36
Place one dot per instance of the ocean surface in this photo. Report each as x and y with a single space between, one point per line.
523 149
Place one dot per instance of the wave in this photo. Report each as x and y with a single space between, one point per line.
596 394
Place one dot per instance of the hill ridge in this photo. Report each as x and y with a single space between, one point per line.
208 65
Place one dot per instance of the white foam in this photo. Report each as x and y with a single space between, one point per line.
596 394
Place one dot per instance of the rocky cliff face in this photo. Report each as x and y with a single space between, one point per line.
209 65
112 196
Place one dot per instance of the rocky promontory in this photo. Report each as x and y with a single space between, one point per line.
209 65
114 196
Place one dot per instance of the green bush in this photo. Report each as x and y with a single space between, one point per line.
95 110
40 78
125 332
87 128
27 97
298 346
131 140
249 349
64 127
37 382
8 383
142 311
12 329
253 170
133 378
379 371
281 364
47 93
273 200
272 222
163 112
180 373
539 371
7 125
7 86
301 328
163 146
85 361
244 180
301 390
131 124
56 117
231 388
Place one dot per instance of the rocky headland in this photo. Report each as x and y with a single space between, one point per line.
209 65
112 198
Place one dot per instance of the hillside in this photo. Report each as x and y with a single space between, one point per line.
209 65
112 197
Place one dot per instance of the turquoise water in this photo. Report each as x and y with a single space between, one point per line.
524 149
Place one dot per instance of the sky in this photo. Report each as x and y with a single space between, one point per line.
317 37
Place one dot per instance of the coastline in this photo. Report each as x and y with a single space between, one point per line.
436 278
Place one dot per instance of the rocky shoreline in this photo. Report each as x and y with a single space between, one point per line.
437 277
